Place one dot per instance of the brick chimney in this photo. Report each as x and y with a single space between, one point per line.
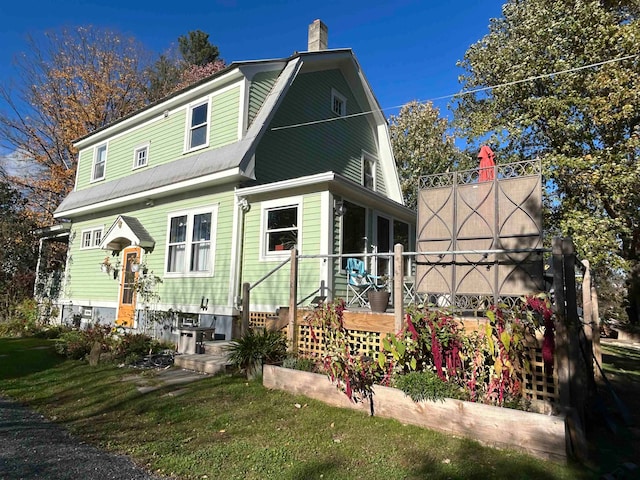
318 36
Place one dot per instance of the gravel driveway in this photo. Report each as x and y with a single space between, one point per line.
32 447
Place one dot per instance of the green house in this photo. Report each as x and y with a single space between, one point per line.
179 204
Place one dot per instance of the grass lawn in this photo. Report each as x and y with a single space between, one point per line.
227 428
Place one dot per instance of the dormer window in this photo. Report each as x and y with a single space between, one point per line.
338 103
198 125
99 163
368 171
141 156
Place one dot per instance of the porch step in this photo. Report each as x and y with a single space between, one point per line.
203 362
217 347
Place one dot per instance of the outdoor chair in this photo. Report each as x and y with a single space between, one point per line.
359 282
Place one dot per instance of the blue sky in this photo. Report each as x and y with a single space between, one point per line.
407 49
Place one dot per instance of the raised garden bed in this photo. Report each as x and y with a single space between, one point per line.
539 435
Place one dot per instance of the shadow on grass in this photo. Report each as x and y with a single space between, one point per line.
475 465
25 356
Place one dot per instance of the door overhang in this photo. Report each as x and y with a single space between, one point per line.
127 231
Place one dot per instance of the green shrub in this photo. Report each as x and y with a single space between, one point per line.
132 346
76 344
51 331
305 364
255 348
426 385
73 344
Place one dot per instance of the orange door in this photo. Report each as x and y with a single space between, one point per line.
127 303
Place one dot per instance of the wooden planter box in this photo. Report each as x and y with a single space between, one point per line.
541 436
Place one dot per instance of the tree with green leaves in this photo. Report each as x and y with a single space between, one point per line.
422 145
18 248
197 58
196 49
565 78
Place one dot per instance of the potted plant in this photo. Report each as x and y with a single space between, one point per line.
105 266
287 241
379 295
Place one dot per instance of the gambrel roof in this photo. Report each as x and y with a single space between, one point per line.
230 163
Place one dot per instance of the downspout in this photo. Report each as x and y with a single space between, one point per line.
241 208
35 284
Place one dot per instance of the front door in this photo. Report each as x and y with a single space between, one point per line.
128 277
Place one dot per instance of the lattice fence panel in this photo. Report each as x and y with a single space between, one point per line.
362 342
540 386
259 319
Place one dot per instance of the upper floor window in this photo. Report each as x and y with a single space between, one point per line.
198 125
281 223
91 238
189 243
99 163
141 156
338 103
368 171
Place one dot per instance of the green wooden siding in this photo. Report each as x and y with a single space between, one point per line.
87 282
225 109
165 137
330 146
261 85
275 289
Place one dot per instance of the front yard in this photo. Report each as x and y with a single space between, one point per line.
226 427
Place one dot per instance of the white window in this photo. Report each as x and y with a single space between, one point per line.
198 126
86 239
140 156
281 222
99 163
338 103
368 171
91 238
190 248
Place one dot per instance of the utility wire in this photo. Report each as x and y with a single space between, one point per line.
468 92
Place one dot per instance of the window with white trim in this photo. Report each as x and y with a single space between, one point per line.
281 222
338 103
190 249
99 163
368 171
140 156
91 238
198 125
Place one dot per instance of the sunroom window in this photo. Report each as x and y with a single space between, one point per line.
281 228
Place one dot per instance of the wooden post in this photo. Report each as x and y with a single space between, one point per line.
398 286
577 374
597 351
246 293
562 338
293 300
588 325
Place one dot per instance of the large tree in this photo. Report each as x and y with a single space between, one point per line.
566 88
422 145
70 83
18 248
196 58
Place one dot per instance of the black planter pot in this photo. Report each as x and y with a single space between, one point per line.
378 300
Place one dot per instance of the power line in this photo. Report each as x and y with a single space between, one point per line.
468 92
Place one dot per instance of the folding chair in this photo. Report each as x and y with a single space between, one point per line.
359 282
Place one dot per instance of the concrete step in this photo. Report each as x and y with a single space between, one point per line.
205 363
217 347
